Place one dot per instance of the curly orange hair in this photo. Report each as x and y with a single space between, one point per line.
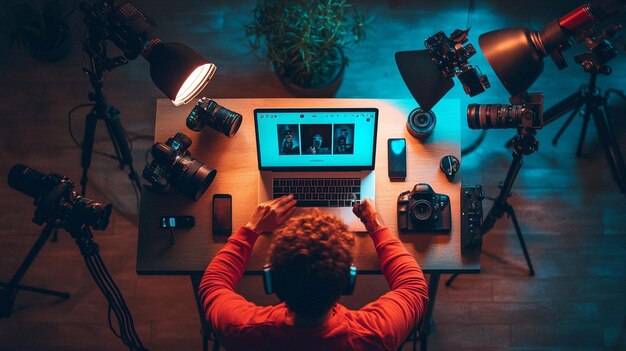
310 258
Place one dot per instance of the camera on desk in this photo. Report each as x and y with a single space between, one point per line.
423 210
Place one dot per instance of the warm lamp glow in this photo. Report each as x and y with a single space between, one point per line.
196 81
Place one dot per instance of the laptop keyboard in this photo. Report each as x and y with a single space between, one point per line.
320 192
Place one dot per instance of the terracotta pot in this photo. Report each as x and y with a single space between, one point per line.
61 48
322 91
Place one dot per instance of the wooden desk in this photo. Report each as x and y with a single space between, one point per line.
237 174
189 251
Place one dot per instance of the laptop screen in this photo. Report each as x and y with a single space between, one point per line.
316 138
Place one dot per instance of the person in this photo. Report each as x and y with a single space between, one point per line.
310 256
288 147
316 146
341 143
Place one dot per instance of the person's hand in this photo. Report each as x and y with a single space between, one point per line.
368 215
271 214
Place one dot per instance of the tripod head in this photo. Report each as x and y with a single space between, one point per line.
600 50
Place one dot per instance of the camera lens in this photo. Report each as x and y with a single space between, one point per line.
421 124
496 116
422 210
209 112
194 177
28 181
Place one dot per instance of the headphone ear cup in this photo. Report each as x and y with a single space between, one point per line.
267 279
352 272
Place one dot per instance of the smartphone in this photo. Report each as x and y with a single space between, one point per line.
222 214
177 221
396 158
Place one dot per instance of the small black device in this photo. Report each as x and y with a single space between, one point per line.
222 214
420 123
396 158
449 165
210 113
177 222
471 217
422 210
172 165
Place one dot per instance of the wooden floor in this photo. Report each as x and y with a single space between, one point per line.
571 213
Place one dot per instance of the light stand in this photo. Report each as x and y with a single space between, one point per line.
590 98
593 103
95 46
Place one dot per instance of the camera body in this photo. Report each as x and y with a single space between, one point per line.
209 113
452 59
172 165
422 210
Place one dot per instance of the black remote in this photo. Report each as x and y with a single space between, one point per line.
471 216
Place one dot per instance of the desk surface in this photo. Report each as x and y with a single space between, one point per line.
237 174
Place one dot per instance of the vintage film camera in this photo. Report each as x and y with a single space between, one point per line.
172 165
422 210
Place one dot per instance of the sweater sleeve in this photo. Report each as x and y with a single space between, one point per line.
394 314
223 307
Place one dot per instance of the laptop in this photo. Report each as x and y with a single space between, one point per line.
324 156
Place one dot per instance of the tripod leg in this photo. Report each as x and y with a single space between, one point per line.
611 148
87 147
511 213
121 145
569 120
7 298
583 131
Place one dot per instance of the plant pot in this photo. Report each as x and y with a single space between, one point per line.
326 90
61 48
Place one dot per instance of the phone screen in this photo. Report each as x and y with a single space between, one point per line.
396 152
222 214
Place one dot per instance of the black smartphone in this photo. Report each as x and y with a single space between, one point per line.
396 158
222 214
177 221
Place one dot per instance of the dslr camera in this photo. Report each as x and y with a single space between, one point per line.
172 165
57 199
423 210
210 113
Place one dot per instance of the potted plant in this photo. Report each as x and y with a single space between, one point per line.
305 41
39 27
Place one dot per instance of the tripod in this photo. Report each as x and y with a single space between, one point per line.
9 292
590 99
95 47
524 143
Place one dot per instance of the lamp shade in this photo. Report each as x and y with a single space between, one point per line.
513 56
423 78
178 71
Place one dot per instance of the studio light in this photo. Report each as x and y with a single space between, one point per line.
178 71
516 54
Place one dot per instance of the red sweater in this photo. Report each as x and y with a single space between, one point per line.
381 325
